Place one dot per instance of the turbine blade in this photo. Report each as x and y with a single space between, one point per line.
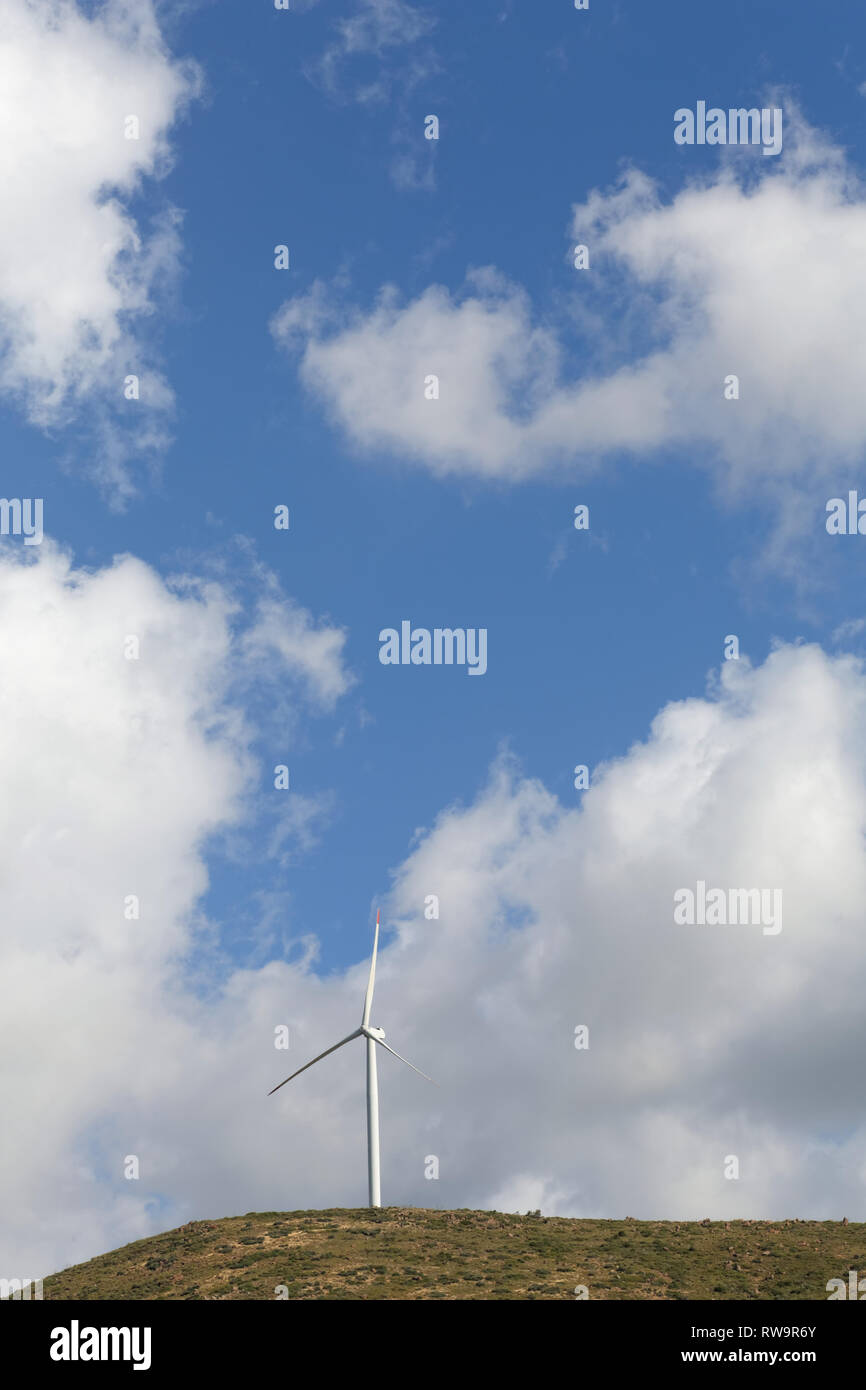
368 997
356 1034
408 1063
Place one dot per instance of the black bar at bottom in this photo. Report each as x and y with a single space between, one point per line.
222 1338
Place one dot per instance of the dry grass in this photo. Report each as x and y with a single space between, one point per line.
414 1253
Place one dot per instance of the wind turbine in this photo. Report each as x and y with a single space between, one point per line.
373 1036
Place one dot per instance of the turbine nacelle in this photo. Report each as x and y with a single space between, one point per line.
377 1034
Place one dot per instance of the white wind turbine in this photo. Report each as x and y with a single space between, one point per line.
373 1036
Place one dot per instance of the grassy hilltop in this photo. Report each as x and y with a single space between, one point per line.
413 1253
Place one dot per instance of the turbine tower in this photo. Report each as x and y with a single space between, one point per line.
372 1036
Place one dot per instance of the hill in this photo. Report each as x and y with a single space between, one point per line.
416 1253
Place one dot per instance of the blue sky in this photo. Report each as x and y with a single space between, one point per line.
292 139
539 105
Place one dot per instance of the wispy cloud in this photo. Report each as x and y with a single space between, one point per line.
383 53
376 30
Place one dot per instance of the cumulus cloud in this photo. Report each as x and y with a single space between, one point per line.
485 352
124 752
78 275
754 271
704 1041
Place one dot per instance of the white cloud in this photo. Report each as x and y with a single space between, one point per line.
115 773
704 1041
372 372
287 632
77 275
756 272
